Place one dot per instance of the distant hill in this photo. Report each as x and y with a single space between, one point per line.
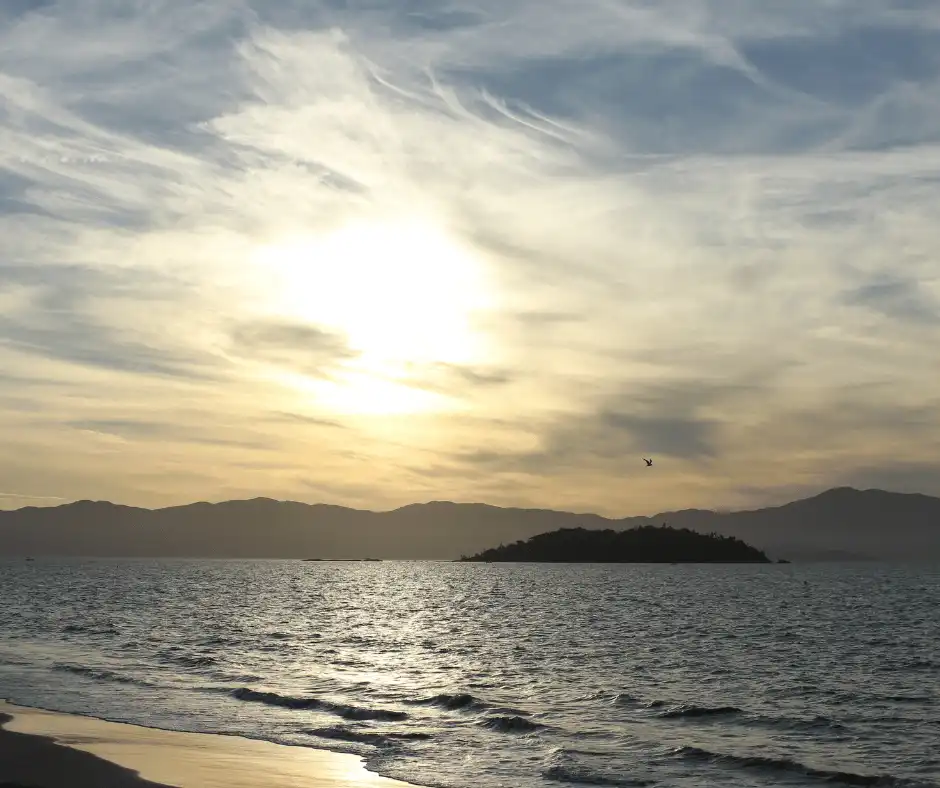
839 524
645 544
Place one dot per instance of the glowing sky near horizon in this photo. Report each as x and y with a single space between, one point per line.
370 254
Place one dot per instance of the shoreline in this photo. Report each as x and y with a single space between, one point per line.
48 749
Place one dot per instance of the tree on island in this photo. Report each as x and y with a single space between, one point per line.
645 544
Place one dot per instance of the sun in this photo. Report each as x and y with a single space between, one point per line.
402 293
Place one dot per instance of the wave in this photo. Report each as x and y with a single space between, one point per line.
509 711
787 765
817 723
913 664
91 630
99 674
615 698
908 698
342 733
316 704
453 702
892 719
625 699
510 724
689 711
868 699
464 701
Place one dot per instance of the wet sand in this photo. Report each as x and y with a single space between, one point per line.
42 749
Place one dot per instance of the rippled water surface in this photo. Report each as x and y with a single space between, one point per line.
470 675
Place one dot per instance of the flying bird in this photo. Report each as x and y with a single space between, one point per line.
648 462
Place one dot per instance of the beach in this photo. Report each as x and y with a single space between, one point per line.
42 749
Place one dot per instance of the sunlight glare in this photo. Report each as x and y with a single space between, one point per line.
401 292
403 295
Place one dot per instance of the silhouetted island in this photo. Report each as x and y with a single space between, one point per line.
646 544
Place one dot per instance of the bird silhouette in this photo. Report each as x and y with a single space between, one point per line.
648 462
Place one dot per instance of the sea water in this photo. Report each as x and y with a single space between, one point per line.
522 675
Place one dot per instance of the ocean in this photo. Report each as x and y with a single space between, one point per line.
517 675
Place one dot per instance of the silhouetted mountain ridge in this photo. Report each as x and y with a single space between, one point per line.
842 522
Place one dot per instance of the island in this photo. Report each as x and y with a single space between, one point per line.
645 544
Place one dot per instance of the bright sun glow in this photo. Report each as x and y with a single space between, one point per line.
365 393
402 294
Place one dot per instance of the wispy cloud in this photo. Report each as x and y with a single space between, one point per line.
303 348
698 229
22 497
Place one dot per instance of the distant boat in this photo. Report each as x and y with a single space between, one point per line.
30 558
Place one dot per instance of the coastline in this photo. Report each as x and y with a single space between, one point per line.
46 749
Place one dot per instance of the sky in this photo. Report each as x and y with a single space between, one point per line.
373 253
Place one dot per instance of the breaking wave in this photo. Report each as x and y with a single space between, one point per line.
343 710
461 701
510 724
100 674
342 733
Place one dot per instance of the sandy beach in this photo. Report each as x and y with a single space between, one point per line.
42 749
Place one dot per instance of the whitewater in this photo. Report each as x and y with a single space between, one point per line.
530 676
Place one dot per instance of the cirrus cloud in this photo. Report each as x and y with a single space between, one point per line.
706 229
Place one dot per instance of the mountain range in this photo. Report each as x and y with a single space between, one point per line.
839 524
